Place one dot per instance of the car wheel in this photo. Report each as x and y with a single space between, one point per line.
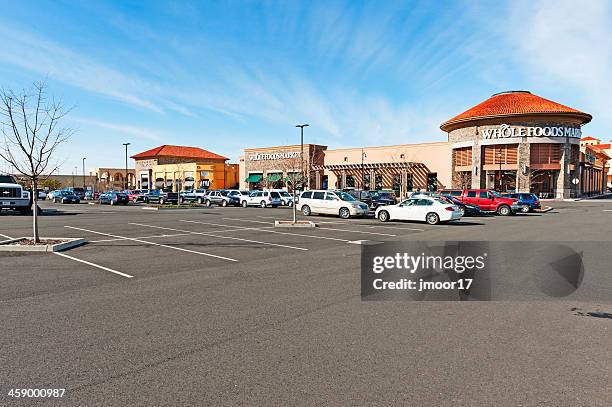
432 218
112 203
462 210
208 203
224 203
383 216
244 204
525 209
345 213
199 200
161 201
262 204
290 204
306 210
504 210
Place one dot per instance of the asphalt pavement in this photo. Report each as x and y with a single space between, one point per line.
215 306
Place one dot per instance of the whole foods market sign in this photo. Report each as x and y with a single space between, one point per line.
505 131
274 156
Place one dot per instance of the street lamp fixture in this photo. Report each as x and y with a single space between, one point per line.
301 126
126 164
84 158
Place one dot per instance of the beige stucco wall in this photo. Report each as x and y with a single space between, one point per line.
436 156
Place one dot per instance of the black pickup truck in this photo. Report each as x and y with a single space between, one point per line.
157 196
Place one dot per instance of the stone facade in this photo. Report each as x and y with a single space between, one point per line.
470 134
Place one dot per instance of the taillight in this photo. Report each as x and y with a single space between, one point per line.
269 198
450 208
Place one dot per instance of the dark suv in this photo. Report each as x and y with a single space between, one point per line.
373 199
160 197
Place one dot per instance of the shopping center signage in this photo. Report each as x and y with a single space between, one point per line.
505 131
274 156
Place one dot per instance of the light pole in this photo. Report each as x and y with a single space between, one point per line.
301 126
126 164
84 173
73 175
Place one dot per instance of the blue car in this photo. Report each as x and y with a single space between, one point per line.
528 201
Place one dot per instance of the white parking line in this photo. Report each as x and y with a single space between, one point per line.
94 265
607 210
393 227
265 229
153 243
5 236
323 228
223 237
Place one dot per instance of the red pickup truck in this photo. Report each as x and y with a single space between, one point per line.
487 200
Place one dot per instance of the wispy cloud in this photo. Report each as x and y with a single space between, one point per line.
126 129
567 44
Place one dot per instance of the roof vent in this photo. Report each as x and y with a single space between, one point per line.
511 91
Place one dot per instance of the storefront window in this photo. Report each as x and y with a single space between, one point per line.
350 181
378 182
366 181
432 181
397 183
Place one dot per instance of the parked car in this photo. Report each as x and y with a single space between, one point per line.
80 192
51 194
528 200
136 195
239 193
451 192
331 202
114 198
222 198
373 199
285 196
490 201
262 199
157 196
465 208
431 210
194 195
42 194
65 197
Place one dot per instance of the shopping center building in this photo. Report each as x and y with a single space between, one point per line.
401 168
176 168
517 141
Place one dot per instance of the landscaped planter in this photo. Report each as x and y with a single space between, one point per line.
296 224
48 244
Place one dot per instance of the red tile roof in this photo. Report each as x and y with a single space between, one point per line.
587 138
178 151
515 103
603 146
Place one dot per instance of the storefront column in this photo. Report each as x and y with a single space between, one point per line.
478 176
523 182
563 185
343 179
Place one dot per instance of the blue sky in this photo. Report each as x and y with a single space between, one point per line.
228 75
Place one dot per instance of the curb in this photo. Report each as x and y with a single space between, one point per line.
6 246
298 224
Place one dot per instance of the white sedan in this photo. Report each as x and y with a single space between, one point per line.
430 210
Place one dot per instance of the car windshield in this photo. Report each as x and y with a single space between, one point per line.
345 197
497 194
7 179
284 193
224 193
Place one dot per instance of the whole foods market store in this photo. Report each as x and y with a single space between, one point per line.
400 168
517 141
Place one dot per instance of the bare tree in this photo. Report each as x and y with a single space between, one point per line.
32 133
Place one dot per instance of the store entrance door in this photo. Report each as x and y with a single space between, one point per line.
542 183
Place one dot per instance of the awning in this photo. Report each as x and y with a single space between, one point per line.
254 178
274 177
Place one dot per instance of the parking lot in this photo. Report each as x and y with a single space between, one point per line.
219 300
